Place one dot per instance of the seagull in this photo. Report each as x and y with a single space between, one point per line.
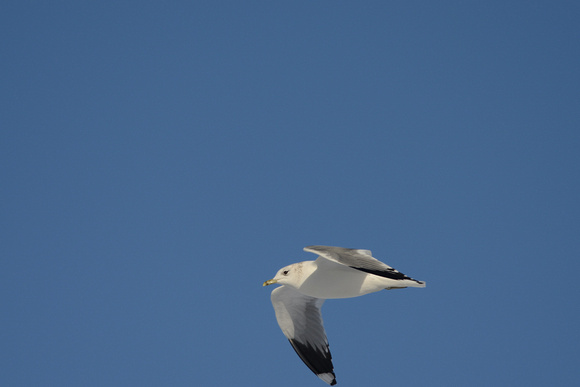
338 272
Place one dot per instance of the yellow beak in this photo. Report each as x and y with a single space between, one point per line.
269 282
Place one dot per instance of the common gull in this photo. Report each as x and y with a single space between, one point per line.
337 273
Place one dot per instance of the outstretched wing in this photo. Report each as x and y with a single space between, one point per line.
360 260
300 319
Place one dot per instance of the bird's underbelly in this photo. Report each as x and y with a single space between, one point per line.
343 282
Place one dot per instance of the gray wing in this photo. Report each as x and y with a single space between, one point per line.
358 259
300 319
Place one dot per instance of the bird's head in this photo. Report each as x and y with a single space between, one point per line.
286 275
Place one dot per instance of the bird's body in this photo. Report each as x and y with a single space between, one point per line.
327 279
337 273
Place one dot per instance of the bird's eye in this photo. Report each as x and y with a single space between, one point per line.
285 272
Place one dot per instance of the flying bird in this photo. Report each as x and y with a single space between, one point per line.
337 273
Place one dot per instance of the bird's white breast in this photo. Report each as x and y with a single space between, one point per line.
332 280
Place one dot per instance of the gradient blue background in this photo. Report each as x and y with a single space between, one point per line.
160 160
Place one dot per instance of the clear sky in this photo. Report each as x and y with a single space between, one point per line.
160 160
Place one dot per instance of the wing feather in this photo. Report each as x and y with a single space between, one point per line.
300 319
360 260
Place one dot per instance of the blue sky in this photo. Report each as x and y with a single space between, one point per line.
160 160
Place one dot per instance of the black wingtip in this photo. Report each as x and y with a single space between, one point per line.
326 378
319 362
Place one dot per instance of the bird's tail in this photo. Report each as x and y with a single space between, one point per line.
409 283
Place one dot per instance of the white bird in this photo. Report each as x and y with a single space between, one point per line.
337 273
